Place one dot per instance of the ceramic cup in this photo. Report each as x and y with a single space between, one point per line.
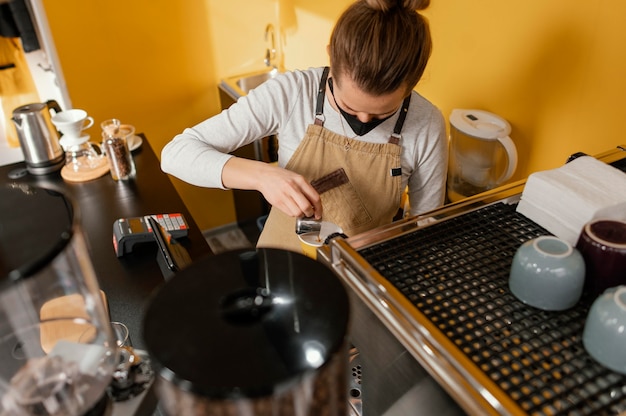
547 273
72 122
604 337
310 242
602 243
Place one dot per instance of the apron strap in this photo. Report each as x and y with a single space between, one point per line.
321 93
396 136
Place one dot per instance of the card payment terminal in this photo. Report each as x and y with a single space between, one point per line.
129 231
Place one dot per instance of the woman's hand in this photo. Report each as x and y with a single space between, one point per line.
282 188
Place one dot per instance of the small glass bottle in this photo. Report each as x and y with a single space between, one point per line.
115 142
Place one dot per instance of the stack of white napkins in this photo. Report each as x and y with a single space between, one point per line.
563 200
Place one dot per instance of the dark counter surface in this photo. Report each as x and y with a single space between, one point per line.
128 281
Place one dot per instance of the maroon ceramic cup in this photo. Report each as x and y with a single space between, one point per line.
602 244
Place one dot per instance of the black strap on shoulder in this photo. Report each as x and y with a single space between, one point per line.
321 93
395 137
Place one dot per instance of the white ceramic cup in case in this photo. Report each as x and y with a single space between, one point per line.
72 122
604 336
547 273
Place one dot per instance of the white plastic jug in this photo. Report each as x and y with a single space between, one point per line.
482 155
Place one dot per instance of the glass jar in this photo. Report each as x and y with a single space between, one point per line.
115 143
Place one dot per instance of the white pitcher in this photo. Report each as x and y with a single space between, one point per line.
482 155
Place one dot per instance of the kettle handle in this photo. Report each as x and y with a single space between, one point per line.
53 105
511 154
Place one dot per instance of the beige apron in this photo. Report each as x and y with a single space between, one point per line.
369 196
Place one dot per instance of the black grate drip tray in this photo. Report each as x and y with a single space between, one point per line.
456 273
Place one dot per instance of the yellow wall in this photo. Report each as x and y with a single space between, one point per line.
554 69
149 63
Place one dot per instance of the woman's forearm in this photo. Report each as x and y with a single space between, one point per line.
282 188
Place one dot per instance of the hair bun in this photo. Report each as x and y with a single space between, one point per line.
384 5
416 4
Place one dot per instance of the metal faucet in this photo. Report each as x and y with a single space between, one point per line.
270 53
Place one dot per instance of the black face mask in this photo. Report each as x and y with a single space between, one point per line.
360 128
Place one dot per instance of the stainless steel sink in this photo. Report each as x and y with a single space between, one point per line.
239 85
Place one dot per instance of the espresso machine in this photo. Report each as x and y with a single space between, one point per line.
57 350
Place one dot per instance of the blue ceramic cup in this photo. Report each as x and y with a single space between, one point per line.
547 273
604 336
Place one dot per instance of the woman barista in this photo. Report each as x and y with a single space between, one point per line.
351 137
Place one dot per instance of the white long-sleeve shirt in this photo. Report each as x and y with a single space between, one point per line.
285 106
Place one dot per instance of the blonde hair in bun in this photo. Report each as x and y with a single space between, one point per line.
382 45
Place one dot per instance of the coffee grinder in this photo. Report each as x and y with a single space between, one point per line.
57 350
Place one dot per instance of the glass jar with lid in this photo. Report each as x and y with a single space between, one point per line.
115 138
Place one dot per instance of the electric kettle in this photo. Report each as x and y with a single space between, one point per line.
482 155
38 137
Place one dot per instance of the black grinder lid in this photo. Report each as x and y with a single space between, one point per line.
35 226
242 323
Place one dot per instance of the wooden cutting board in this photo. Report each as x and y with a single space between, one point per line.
83 176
